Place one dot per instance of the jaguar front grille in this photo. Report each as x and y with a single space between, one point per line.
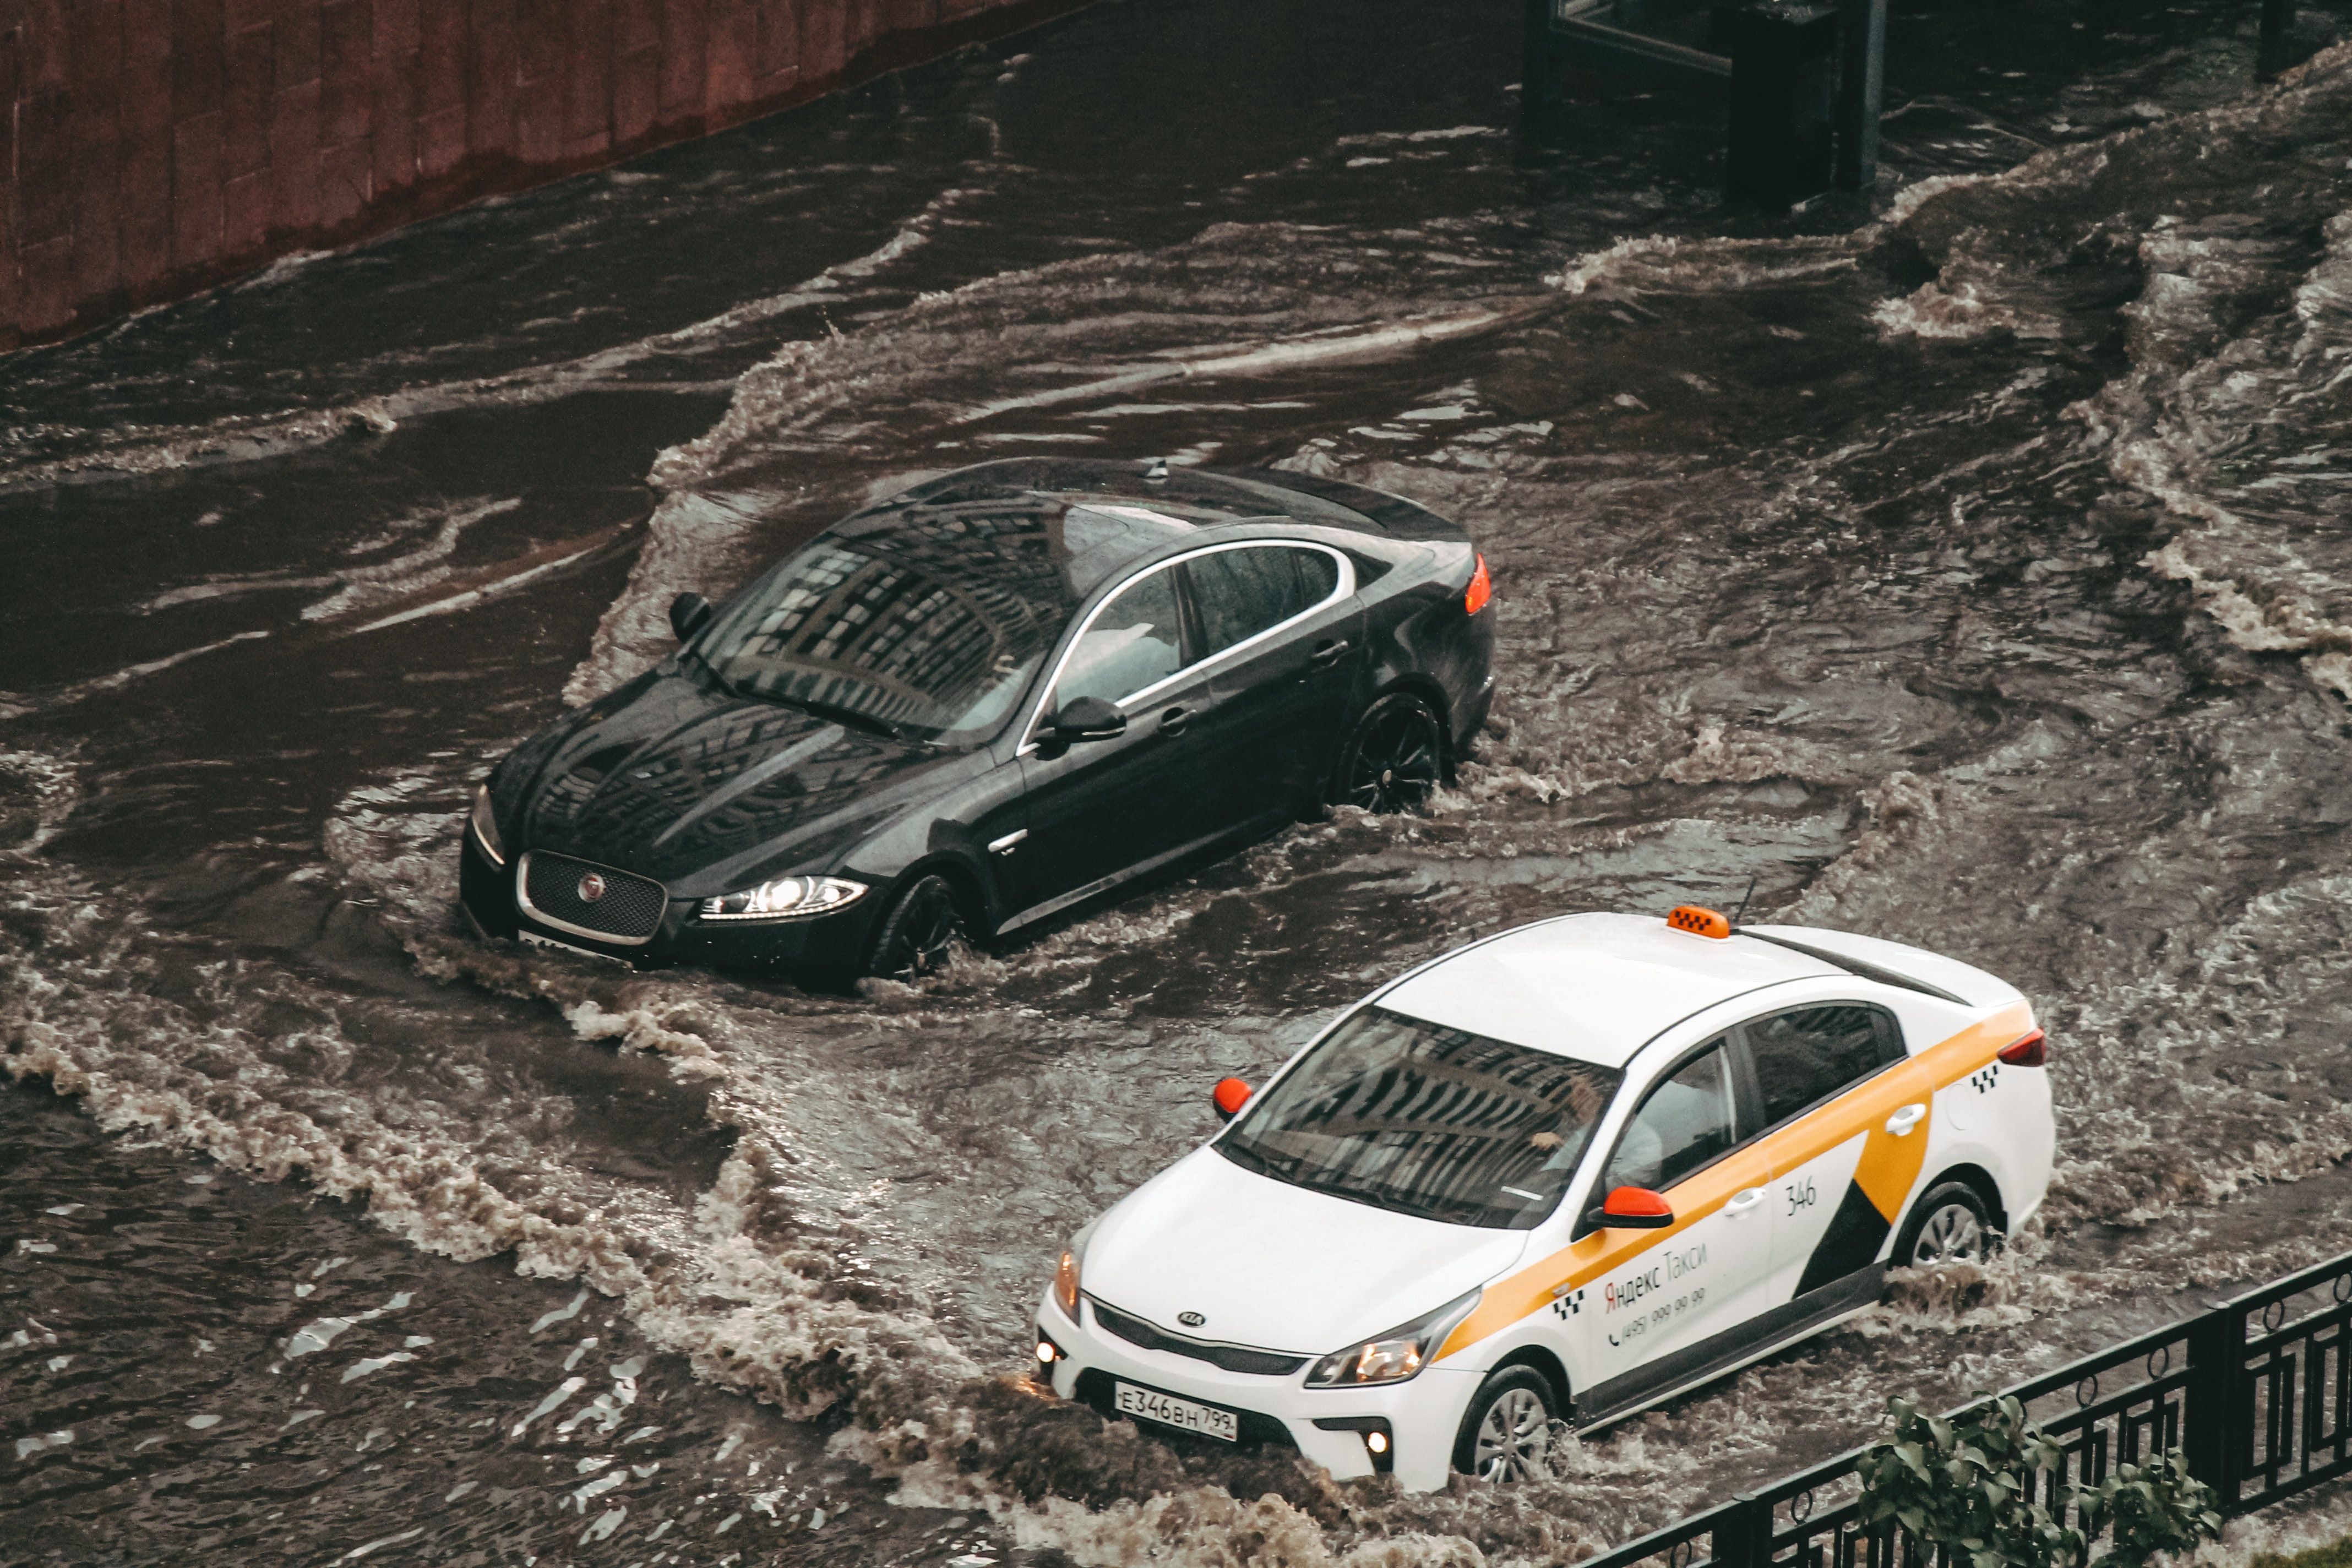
589 900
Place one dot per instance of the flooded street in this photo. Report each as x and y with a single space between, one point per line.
1971 572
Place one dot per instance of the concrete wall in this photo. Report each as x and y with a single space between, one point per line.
150 148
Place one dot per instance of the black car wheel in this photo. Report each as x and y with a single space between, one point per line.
1506 1432
1396 758
1949 1225
918 935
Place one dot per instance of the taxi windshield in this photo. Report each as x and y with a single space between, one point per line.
1424 1120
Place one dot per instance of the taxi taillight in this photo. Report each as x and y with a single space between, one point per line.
2032 1051
1481 589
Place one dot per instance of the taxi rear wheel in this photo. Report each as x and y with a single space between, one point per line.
1949 1226
1506 1432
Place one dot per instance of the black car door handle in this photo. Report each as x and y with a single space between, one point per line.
1326 653
1172 722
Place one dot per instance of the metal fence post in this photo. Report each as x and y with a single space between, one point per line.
1745 1539
1539 86
1779 148
1861 78
2278 20
2210 1433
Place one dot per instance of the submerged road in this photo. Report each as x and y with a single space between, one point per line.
1971 574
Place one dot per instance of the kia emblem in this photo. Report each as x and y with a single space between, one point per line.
591 887
1190 1319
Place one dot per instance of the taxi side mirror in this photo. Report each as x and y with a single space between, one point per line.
1230 1094
1635 1208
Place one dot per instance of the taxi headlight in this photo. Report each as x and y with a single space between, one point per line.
1066 1272
784 898
483 821
1395 1356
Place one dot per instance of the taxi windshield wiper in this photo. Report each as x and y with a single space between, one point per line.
1382 1197
1281 1167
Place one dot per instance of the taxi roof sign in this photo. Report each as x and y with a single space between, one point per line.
1698 922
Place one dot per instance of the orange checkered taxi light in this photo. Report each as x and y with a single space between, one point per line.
1698 922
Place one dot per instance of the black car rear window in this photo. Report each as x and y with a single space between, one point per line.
1425 1120
1241 592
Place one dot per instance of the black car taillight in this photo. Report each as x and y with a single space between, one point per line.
1481 589
2032 1051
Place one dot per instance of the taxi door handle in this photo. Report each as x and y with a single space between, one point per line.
1741 1203
1172 722
1903 1120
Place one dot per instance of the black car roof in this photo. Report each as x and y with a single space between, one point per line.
1028 538
1203 496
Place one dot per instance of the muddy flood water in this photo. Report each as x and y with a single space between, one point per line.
1969 567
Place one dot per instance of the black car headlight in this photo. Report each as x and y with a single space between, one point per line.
783 899
1396 1355
484 822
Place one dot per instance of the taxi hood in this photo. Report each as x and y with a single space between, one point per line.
1276 1266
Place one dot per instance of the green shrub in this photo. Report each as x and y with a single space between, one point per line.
2157 1506
1966 1484
1969 1484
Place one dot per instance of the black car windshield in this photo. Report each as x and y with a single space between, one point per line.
927 617
1428 1121
855 629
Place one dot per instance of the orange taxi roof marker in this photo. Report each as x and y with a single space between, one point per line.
1698 922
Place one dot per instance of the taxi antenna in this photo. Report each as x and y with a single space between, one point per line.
1743 901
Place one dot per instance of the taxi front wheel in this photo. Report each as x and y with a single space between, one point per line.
1506 1432
1949 1224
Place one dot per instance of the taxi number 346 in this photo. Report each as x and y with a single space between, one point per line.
1801 1194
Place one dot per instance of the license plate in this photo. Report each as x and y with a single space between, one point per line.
533 939
1181 1414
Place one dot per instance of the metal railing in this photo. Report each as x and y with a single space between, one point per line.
2257 1390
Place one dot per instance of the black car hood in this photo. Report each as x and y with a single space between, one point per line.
678 780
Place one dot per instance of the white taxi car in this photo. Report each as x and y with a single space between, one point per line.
1562 1173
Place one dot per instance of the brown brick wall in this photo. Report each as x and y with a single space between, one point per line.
151 148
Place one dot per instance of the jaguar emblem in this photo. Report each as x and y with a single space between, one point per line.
591 887
1190 1319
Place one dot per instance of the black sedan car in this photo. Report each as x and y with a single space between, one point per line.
968 707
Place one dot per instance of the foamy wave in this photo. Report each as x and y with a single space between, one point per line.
1668 263
37 792
723 1283
132 450
2260 558
1959 315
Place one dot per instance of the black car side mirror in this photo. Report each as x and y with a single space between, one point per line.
689 614
1089 719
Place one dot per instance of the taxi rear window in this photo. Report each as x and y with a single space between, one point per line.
1424 1119
1813 1054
